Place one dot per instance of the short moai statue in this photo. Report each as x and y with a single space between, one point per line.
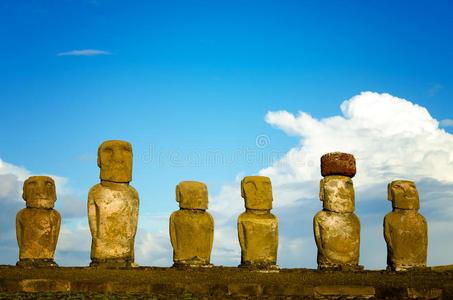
257 226
336 227
38 225
405 230
191 227
113 208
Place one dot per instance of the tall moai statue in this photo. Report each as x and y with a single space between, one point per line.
336 227
257 226
38 225
113 208
191 227
405 230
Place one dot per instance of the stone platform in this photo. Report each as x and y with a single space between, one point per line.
223 282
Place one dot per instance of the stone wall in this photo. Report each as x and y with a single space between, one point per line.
227 282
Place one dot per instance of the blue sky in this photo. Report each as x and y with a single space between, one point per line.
185 79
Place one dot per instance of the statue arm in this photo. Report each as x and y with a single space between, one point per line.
211 232
19 228
92 214
241 233
387 233
317 232
135 211
425 232
173 231
56 229
276 231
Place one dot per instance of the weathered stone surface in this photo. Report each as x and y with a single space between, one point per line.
257 192
245 289
192 195
115 161
338 163
257 226
191 227
441 268
44 285
405 230
344 292
337 194
113 208
38 225
221 283
427 293
336 227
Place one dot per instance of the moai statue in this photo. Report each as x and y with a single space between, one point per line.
336 227
191 227
38 225
113 208
257 226
405 230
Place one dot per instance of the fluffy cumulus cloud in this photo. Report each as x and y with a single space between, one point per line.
391 139
68 204
74 242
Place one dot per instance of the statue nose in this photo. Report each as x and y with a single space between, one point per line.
117 156
41 193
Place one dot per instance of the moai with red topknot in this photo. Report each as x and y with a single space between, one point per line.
336 227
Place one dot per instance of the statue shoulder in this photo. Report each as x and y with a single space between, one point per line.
389 217
133 191
320 215
243 217
355 218
95 189
273 217
21 213
175 214
54 213
422 218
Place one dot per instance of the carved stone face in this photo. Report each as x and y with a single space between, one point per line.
337 193
192 195
403 195
115 161
257 192
39 192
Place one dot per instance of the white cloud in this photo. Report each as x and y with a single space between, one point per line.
446 123
153 248
85 52
11 183
391 139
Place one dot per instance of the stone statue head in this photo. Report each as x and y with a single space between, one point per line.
337 193
115 161
403 195
192 195
257 192
39 192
